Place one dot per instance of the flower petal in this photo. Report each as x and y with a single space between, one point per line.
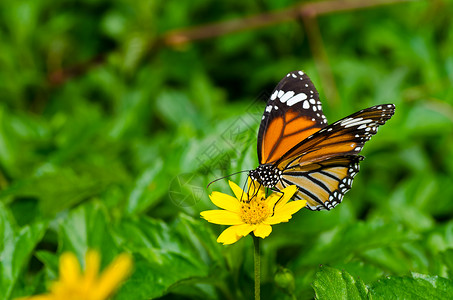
244 229
92 262
69 269
288 193
238 192
262 230
285 213
273 198
229 236
291 207
234 233
113 275
222 217
38 297
225 201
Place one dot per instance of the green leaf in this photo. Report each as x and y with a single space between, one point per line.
367 271
182 112
345 241
84 228
447 259
148 188
16 246
416 287
60 188
167 255
331 283
50 260
435 119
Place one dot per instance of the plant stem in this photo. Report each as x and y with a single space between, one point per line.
256 243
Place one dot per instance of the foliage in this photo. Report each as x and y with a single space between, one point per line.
117 156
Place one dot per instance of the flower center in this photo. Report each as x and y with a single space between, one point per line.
255 211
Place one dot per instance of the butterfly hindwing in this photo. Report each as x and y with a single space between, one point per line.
322 184
293 112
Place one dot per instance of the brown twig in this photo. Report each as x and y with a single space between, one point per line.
313 9
61 75
183 36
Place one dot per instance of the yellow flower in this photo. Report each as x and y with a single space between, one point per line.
72 285
251 211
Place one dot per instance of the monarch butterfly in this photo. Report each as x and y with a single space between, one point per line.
297 146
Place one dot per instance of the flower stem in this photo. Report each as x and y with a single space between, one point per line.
256 243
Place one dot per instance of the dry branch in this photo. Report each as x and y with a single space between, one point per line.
182 36
312 9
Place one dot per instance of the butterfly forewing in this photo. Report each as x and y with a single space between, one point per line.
292 113
344 137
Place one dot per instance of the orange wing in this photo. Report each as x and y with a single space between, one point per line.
293 113
344 137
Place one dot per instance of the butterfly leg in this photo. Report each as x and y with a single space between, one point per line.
276 202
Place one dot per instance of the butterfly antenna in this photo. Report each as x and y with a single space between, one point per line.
226 177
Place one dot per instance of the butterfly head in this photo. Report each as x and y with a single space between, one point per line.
267 175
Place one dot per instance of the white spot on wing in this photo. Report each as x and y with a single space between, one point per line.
296 99
280 93
306 105
350 120
286 96
274 95
355 123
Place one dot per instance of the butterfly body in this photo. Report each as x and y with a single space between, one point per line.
267 175
297 146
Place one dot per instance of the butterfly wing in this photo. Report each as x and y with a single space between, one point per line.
323 165
344 137
322 184
293 112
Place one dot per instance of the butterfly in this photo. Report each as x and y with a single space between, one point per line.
296 146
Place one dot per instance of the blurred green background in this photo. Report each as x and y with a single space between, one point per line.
109 135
